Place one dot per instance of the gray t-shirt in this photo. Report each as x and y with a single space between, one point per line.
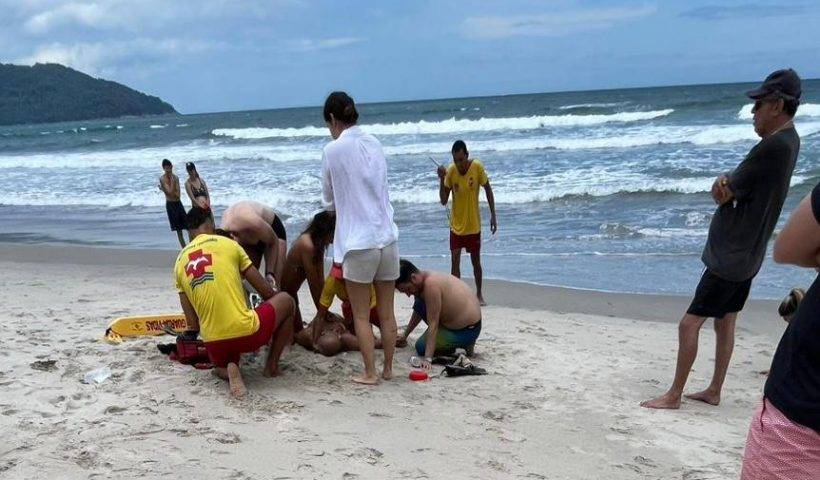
741 228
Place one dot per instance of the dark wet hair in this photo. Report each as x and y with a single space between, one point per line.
460 146
196 217
320 229
342 107
190 166
166 163
406 269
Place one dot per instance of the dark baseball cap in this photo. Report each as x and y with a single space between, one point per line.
785 82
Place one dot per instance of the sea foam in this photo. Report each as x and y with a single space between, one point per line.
451 125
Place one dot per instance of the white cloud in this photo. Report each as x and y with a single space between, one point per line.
550 25
309 44
42 17
102 58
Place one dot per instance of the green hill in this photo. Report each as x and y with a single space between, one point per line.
54 93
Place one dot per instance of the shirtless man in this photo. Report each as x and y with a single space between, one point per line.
169 185
260 232
448 306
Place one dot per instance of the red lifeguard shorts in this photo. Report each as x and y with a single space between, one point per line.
471 243
223 352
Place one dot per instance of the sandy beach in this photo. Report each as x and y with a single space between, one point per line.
567 371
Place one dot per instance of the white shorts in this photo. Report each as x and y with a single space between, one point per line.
372 265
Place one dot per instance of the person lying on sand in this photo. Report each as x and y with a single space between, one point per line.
259 230
329 333
208 274
448 307
305 261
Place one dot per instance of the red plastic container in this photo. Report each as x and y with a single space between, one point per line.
418 375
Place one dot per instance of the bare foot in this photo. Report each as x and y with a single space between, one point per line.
238 389
366 379
387 373
481 301
706 396
220 373
665 401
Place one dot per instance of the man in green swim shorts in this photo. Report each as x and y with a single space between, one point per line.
448 307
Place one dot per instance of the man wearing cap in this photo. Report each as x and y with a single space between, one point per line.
749 200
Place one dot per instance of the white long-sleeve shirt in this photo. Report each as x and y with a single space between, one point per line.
354 185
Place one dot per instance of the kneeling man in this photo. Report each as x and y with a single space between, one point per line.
448 307
208 274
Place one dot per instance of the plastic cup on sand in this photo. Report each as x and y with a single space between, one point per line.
418 375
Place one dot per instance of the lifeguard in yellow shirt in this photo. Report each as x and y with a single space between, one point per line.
208 274
464 178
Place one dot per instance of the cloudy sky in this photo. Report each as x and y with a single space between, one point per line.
221 55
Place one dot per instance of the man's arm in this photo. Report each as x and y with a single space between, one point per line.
266 234
414 321
175 191
432 298
162 185
443 190
315 276
799 241
488 190
191 318
256 280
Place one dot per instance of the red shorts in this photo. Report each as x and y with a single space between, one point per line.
223 352
471 243
347 313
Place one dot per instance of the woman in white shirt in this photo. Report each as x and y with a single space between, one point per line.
354 185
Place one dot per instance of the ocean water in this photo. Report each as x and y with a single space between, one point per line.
601 190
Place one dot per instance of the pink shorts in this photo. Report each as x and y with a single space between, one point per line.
778 448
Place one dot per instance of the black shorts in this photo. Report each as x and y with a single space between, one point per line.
176 215
279 228
716 297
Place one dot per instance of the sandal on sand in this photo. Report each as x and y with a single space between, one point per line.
458 371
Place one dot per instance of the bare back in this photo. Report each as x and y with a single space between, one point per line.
295 272
249 220
459 305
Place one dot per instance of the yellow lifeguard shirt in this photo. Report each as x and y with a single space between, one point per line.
466 217
336 288
208 271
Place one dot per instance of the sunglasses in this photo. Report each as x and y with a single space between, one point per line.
759 103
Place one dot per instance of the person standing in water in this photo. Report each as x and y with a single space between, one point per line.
463 178
197 188
354 185
169 185
749 199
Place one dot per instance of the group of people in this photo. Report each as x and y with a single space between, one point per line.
357 221
214 270
195 187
